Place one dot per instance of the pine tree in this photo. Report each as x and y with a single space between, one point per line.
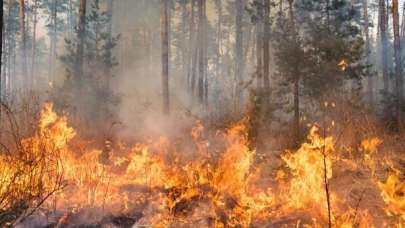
95 97
56 24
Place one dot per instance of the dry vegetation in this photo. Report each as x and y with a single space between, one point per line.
54 178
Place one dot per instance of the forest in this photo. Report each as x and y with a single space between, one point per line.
202 113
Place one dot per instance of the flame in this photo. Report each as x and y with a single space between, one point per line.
306 188
393 194
369 147
343 65
205 187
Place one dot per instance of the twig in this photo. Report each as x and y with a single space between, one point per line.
358 204
325 176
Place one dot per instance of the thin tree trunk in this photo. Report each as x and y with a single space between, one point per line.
1 53
193 50
184 56
200 52
384 45
11 50
266 49
239 53
370 79
403 24
164 20
81 37
23 41
34 41
205 54
296 77
109 34
219 38
110 16
54 38
1 61
397 57
259 45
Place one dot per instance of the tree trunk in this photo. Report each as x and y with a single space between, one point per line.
200 44
81 39
164 20
370 79
54 40
296 77
384 45
205 54
110 15
109 33
34 41
259 45
219 38
193 51
23 42
397 57
239 53
184 57
403 24
266 49
1 53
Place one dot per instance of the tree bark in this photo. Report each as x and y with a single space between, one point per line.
259 45
109 31
23 42
193 51
397 57
81 39
34 41
403 24
54 37
239 53
205 54
200 44
266 49
184 56
1 52
370 79
219 38
164 20
296 76
384 45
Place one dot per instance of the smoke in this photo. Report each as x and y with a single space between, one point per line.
140 109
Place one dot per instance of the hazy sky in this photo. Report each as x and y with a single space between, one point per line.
211 12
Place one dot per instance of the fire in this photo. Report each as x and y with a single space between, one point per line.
307 166
393 194
369 147
343 65
206 187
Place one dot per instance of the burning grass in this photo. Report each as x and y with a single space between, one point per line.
161 184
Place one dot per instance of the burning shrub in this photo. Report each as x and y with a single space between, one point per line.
156 184
30 175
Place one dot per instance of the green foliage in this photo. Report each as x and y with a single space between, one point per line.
51 8
326 36
328 42
92 92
